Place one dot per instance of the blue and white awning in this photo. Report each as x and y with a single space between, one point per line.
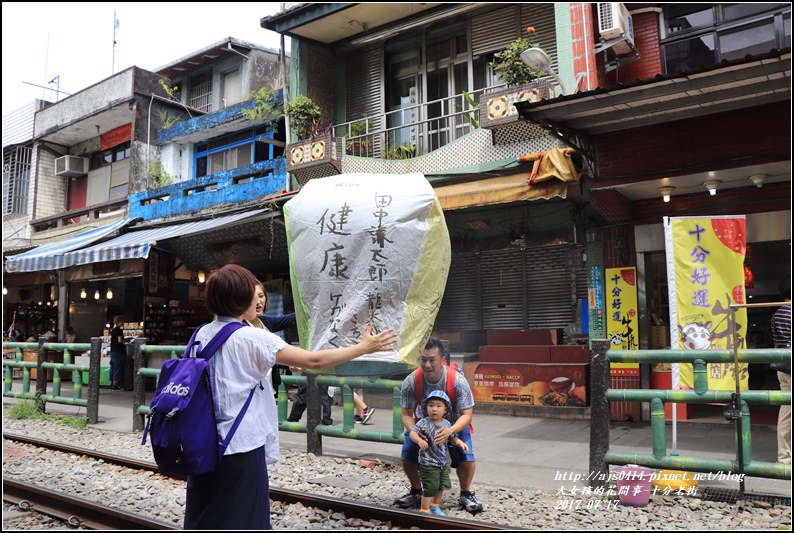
54 255
137 244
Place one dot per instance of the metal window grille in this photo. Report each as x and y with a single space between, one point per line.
16 179
201 96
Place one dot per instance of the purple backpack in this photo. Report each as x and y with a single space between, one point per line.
181 416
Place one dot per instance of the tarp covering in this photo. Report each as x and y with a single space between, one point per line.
551 172
367 248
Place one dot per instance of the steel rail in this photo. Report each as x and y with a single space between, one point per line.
77 512
398 517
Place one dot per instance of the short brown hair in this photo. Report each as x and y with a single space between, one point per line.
230 290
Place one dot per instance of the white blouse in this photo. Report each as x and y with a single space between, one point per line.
239 365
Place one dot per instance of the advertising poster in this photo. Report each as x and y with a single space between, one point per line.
553 385
622 318
705 265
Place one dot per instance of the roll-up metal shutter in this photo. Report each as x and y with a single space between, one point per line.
503 300
365 90
541 17
552 286
460 307
493 31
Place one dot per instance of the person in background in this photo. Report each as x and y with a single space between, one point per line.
781 335
271 324
236 496
363 411
70 337
118 353
15 333
300 400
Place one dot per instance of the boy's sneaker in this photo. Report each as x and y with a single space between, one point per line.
409 500
436 510
366 414
357 419
470 503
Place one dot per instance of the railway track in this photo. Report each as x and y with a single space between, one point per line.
91 515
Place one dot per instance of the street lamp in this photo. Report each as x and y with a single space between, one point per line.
537 59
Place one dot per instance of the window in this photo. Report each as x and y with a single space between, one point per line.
109 156
200 94
704 34
16 178
233 151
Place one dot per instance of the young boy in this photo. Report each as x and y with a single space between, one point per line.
433 457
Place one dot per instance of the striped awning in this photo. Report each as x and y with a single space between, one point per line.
54 255
137 244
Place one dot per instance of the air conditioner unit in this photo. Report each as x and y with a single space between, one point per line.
614 22
71 166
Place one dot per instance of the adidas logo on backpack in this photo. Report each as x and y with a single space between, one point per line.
181 419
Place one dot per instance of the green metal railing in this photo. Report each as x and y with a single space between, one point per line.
601 395
312 427
42 365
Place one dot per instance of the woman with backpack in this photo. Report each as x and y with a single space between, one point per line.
236 495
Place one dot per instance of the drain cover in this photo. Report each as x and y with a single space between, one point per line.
715 494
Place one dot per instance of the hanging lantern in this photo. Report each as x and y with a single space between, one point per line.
749 280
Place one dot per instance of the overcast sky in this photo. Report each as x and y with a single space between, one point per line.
74 40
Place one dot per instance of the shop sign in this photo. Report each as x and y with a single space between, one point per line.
705 264
622 319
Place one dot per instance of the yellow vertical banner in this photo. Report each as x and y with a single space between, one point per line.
708 260
622 321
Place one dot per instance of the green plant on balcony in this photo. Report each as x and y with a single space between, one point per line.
167 119
473 116
160 178
264 105
508 66
405 150
358 141
304 117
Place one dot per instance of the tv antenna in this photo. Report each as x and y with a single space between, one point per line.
57 81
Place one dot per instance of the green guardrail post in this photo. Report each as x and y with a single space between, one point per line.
701 376
746 437
397 413
138 385
283 400
348 409
658 428
41 378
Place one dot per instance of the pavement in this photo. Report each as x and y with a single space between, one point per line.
514 451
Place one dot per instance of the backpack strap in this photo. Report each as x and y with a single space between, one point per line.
217 341
206 353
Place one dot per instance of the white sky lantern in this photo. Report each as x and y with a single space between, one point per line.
367 248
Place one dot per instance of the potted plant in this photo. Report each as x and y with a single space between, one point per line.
304 116
358 141
508 66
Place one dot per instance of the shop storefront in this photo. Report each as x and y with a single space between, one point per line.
767 261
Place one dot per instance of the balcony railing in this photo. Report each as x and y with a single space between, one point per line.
413 130
236 186
418 129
